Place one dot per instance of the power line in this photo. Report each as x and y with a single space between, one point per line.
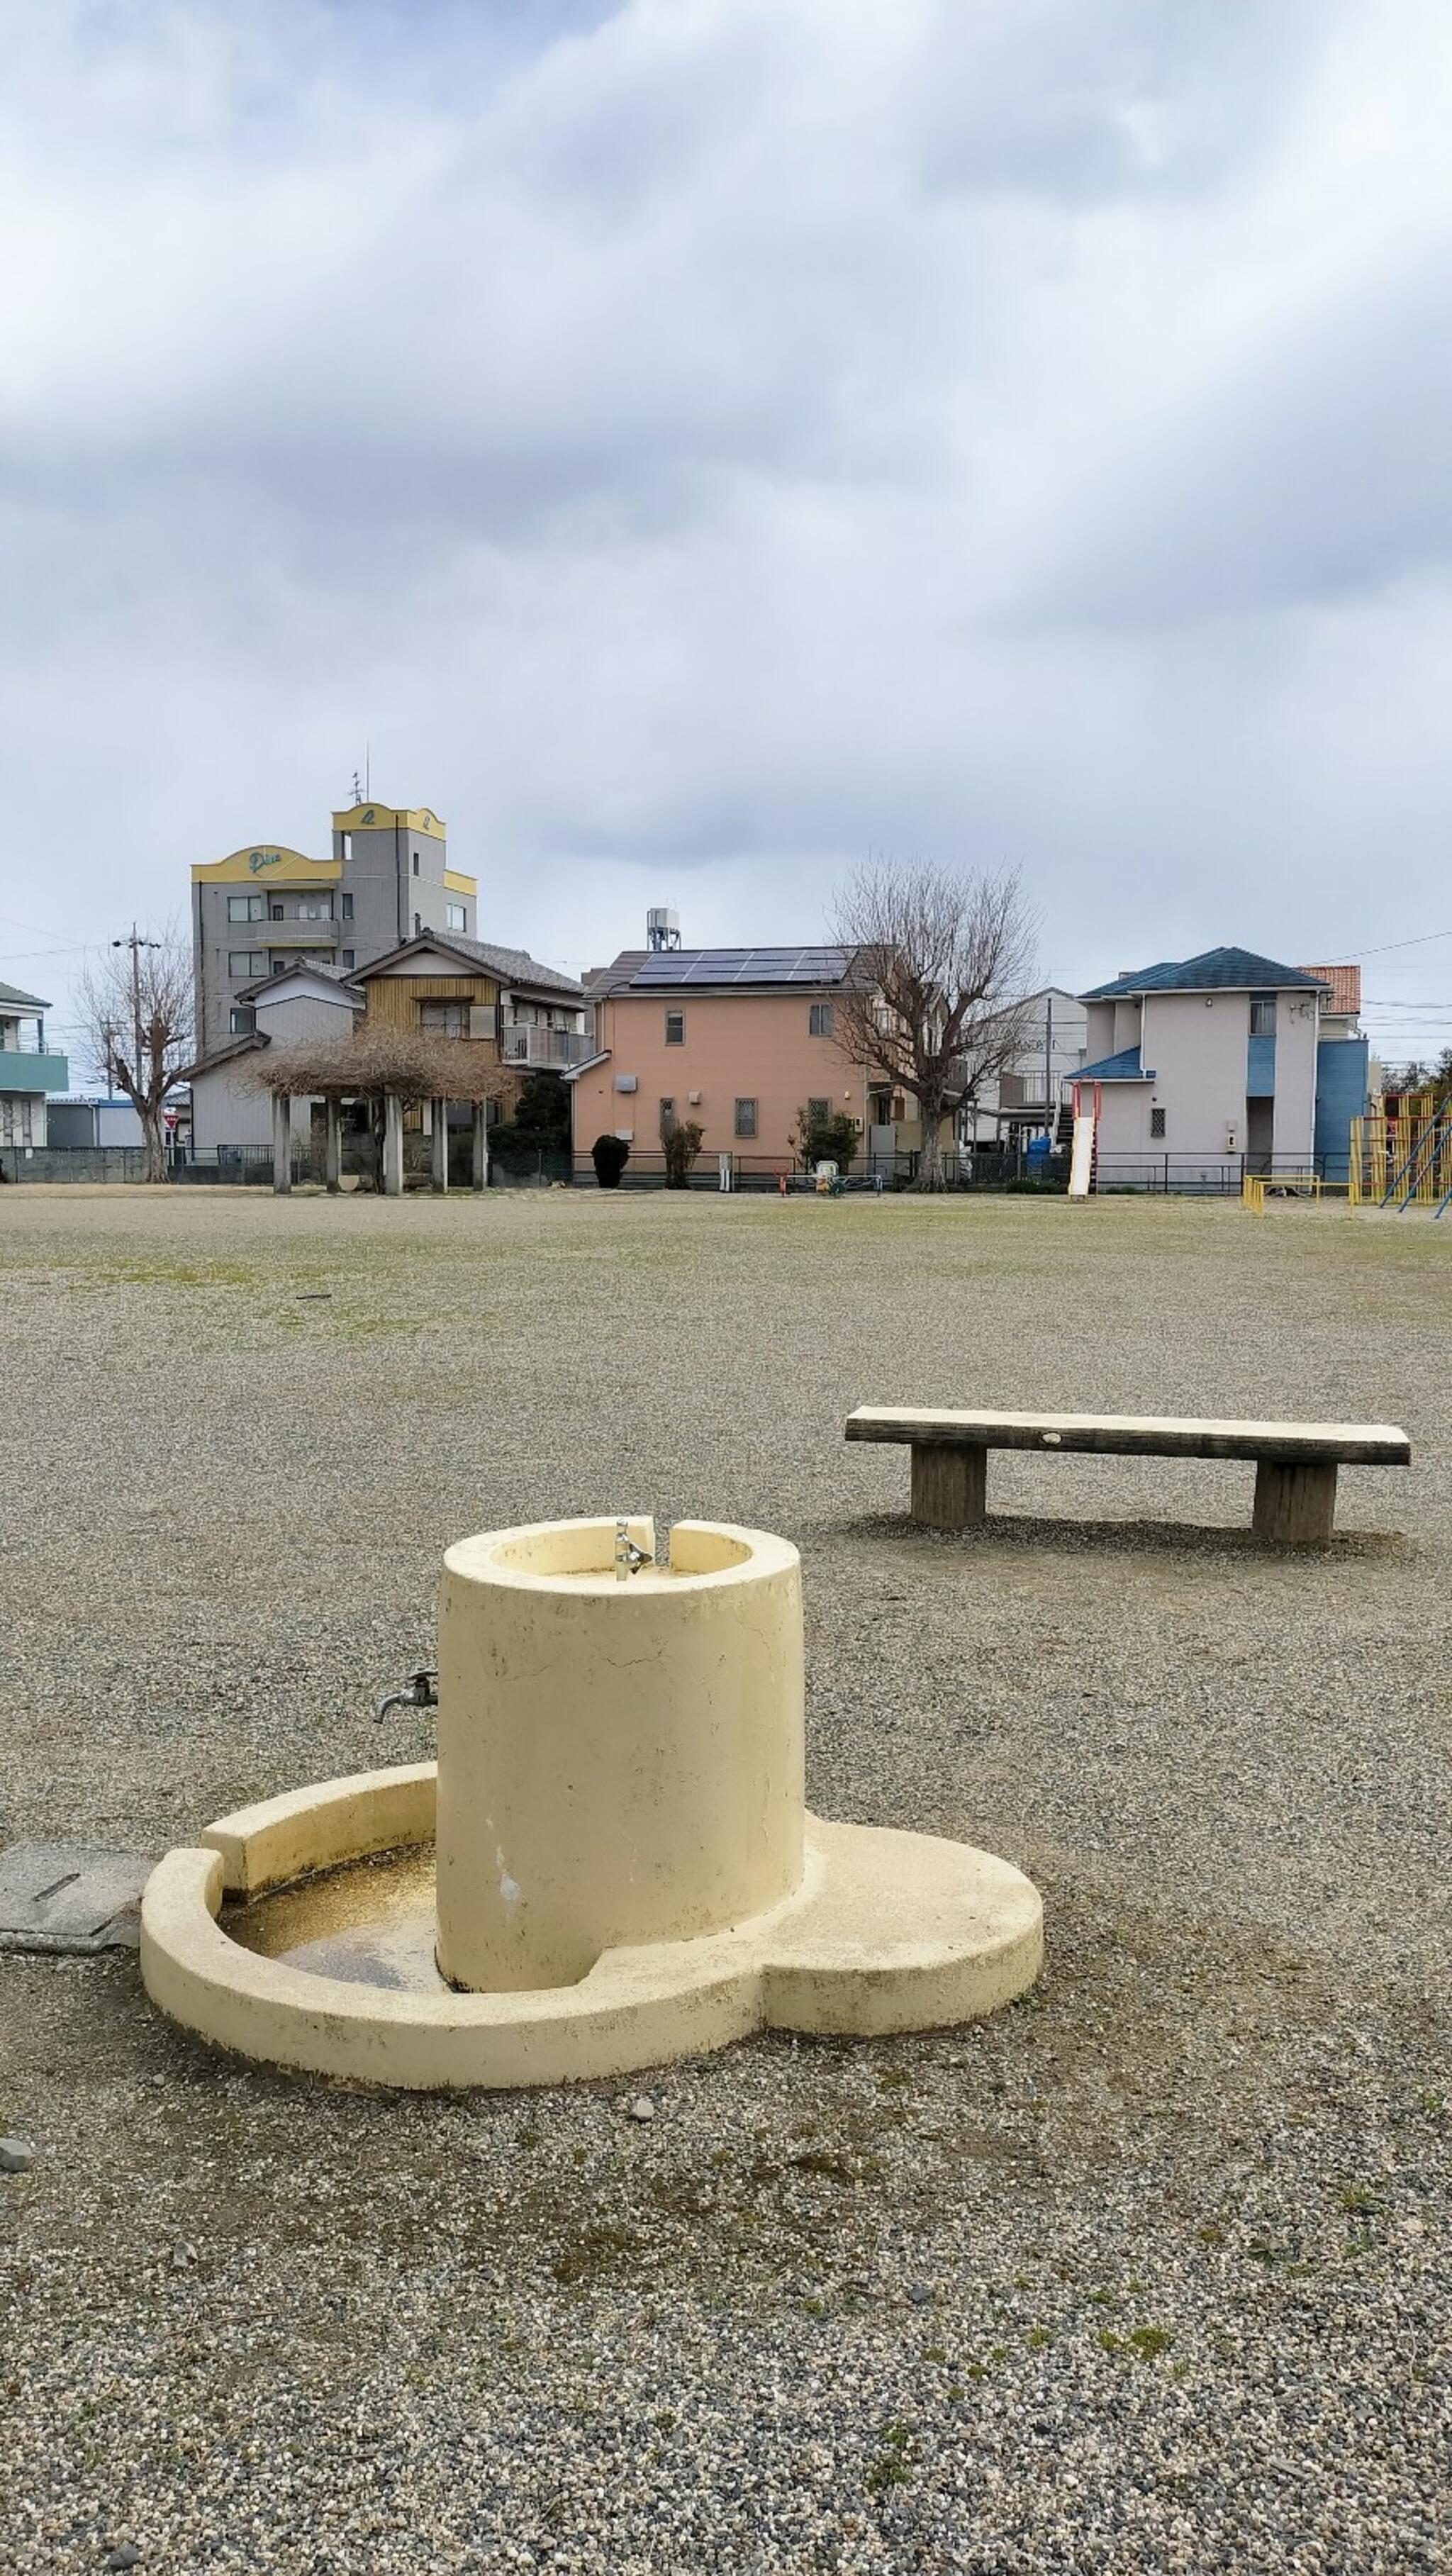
1423 940
26 956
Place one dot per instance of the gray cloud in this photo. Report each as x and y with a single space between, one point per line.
698 443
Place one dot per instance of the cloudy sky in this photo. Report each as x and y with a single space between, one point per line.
696 443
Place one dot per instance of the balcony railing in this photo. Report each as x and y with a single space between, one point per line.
544 1049
29 1068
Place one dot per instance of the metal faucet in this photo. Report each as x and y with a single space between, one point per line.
627 1555
421 1690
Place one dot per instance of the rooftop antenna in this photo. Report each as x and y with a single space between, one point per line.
357 789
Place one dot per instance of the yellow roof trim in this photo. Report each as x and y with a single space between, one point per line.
383 818
457 883
266 863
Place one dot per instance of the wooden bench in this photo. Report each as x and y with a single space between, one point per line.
1295 1475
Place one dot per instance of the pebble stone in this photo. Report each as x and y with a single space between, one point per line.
642 2108
17 2155
1183 2211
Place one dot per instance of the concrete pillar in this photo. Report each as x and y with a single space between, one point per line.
950 1486
439 1144
1294 1504
392 1145
332 1145
281 1142
479 1168
620 1757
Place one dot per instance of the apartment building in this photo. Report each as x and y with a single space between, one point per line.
29 1069
265 908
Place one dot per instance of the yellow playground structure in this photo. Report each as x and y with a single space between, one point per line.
1400 1157
1401 1154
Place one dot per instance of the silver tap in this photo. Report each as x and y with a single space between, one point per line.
421 1690
627 1555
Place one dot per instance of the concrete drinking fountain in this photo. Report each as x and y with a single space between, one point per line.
611 1863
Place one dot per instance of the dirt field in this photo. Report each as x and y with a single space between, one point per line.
1149 2273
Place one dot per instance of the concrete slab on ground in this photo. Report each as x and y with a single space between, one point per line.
70 1896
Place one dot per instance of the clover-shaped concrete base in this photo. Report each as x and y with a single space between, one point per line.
302 1933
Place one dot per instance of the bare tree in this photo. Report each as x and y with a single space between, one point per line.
938 995
136 1016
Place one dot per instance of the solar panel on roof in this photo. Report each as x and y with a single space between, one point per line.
741 966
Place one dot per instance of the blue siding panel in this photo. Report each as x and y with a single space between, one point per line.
1260 1069
1341 1070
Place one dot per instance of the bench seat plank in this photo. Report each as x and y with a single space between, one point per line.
1349 1444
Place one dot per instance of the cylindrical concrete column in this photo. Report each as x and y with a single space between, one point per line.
392 1145
281 1141
620 1758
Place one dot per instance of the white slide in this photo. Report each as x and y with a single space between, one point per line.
1081 1161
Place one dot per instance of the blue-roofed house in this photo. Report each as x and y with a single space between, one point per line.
1218 1057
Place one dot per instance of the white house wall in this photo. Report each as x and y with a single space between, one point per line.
1126 1026
295 1014
1294 1129
227 1107
1195 1044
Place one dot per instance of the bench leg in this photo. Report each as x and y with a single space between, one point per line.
1294 1503
950 1486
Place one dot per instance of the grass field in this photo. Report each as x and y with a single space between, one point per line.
1147 2273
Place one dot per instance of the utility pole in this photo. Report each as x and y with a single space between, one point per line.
136 943
1050 1120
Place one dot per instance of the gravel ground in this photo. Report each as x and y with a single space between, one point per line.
1150 2272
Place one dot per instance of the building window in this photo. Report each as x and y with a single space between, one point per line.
318 907
746 1118
244 907
347 907
415 863
819 1020
1262 1015
244 1020
349 954
244 963
278 964
455 917
818 1112
446 1019
675 1028
667 1119
1157 1122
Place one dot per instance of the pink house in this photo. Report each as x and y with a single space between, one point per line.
736 1039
